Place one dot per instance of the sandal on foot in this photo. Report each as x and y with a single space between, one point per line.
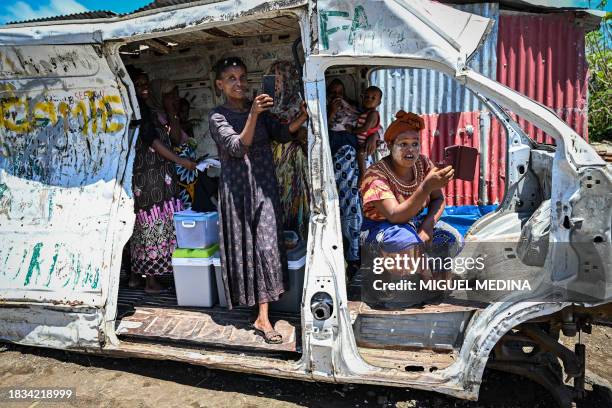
270 336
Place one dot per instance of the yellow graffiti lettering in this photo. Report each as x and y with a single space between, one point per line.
102 108
81 109
91 96
94 113
64 110
109 126
11 109
49 112
8 88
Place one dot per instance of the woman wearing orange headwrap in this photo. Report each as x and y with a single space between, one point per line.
396 189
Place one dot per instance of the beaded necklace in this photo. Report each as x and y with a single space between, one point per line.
401 187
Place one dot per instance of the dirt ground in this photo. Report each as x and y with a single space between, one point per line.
104 382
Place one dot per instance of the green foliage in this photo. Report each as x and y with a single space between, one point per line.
599 57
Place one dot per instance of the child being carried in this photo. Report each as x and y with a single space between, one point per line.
368 126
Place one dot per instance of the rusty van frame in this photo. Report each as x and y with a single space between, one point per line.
333 33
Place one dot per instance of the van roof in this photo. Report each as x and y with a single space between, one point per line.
169 16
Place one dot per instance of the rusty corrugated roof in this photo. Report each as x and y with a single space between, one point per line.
543 57
87 15
162 3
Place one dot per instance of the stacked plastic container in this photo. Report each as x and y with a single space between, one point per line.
196 264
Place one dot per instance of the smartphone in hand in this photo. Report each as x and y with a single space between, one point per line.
269 85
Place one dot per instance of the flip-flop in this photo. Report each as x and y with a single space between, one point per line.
270 336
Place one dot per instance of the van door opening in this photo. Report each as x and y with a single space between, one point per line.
425 333
266 46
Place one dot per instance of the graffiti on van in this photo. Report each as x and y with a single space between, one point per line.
345 23
44 133
93 111
43 266
17 62
357 29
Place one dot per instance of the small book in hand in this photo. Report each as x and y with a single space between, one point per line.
463 160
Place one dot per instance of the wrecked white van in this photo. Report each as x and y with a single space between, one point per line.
68 125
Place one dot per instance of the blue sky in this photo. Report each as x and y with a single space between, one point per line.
11 10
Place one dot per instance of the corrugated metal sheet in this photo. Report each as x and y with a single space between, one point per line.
426 91
539 55
87 15
448 108
543 57
447 129
163 3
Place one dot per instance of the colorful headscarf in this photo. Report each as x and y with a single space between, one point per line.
403 122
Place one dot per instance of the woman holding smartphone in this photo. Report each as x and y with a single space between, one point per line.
396 190
253 256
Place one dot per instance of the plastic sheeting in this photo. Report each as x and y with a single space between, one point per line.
462 217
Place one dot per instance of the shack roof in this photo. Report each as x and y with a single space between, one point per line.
87 15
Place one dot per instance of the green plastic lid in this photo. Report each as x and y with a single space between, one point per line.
196 253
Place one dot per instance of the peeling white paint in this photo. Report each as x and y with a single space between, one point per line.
64 147
400 29
38 326
147 24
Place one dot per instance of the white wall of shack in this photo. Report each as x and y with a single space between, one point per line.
192 70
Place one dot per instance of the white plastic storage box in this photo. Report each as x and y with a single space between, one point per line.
291 300
194 276
196 230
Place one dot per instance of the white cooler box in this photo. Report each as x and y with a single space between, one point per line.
196 230
195 277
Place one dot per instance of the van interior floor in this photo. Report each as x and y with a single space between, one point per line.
419 338
157 317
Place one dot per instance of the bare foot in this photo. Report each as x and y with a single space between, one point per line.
153 286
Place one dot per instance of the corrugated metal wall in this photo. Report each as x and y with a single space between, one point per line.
543 57
539 55
447 107
426 91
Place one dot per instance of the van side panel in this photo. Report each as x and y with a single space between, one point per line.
64 154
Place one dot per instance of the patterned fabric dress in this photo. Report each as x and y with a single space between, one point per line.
380 183
343 145
346 172
290 158
155 201
253 257
186 178
292 177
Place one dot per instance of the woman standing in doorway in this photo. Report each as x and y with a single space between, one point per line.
155 196
253 257
164 102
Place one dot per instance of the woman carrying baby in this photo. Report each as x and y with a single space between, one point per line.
343 144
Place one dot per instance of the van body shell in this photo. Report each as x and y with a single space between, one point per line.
67 148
